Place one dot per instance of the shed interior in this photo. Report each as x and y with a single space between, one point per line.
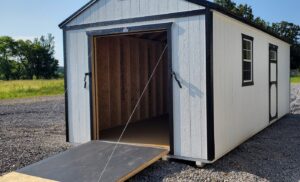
122 66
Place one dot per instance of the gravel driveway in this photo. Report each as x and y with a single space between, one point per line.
31 130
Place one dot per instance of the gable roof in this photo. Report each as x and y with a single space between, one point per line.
204 3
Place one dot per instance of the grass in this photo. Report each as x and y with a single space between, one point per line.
30 88
295 79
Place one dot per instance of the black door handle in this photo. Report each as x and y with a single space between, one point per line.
175 77
85 76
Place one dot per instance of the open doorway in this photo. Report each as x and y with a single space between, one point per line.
121 68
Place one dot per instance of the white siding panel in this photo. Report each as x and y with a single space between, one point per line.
283 80
135 8
144 7
126 9
183 71
241 112
197 61
79 114
105 10
188 34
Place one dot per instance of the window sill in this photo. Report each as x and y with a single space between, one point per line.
245 84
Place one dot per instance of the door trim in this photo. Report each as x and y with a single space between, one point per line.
271 83
132 30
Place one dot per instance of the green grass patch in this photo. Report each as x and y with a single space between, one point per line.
30 88
295 79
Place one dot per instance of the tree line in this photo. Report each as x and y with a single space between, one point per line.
285 29
25 59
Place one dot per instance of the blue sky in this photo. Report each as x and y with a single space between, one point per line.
27 19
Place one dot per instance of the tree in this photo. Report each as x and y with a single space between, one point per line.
228 4
245 11
7 52
260 22
288 30
292 33
28 59
284 29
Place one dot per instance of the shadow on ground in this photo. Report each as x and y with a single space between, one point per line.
272 155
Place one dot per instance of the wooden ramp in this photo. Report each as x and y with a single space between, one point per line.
86 162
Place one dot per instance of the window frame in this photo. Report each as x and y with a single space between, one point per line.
248 82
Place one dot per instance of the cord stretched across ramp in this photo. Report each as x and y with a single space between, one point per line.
131 115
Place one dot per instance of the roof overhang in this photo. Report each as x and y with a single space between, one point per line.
77 13
204 3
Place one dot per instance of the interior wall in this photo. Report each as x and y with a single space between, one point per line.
122 68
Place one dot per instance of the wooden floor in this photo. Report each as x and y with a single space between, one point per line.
152 132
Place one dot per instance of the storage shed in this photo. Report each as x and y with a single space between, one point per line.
219 80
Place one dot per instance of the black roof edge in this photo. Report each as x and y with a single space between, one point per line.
204 3
77 13
222 10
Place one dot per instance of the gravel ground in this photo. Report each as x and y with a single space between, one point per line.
30 130
33 129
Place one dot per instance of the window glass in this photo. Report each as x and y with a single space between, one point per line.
247 51
273 55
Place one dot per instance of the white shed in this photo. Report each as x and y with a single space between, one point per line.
220 79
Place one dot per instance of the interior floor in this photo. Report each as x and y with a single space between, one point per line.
150 132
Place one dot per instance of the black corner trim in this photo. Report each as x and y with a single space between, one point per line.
210 85
90 59
137 19
66 86
246 84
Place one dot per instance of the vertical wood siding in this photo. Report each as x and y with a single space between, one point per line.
121 77
188 52
105 10
241 112
79 110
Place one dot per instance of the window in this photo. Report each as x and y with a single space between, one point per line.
273 53
247 62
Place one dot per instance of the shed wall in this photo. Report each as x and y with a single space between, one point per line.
189 103
240 112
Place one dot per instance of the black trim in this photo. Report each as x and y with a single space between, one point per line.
133 30
244 84
271 83
90 59
204 3
170 84
66 85
210 86
138 19
77 13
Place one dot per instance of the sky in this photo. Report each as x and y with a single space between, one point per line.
28 19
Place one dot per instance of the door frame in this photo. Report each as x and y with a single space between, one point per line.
132 30
271 83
